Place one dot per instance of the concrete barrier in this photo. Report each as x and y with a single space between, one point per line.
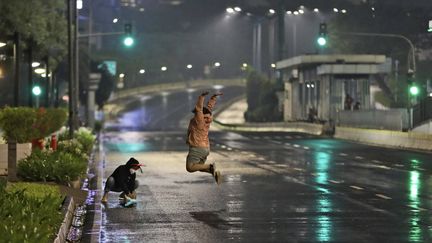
406 140
177 86
301 127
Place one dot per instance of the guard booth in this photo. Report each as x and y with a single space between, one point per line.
321 83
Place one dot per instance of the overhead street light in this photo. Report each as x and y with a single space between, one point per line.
237 9
36 90
217 64
115 20
230 10
2 44
35 64
121 75
141 71
39 70
163 69
189 66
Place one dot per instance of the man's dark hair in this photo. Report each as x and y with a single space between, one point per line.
205 111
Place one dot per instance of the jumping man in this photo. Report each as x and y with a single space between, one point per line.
198 140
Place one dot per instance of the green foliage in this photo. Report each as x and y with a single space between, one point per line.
261 98
40 20
381 98
17 123
59 166
23 124
29 213
85 138
105 88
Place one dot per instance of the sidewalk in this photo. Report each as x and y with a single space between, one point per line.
231 118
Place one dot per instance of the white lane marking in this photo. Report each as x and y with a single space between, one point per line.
298 169
223 146
298 136
266 137
377 161
179 138
278 142
343 154
256 137
278 137
288 137
383 196
281 165
157 138
306 147
271 162
314 174
244 152
359 157
356 187
288 144
398 165
335 182
229 149
296 145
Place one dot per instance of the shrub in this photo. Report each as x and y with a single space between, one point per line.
58 166
74 147
29 213
86 138
17 123
23 124
262 100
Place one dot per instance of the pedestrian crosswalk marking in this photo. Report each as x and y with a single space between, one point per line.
356 187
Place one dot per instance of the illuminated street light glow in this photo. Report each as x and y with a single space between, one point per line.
2 44
344 11
35 64
301 11
141 71
335 10
296 13
39 70
121 75
115 20
79 4
217 64
164 68
141 9
289 12
245 65
189 66
237 9
316 10
230 10
273 65
272 11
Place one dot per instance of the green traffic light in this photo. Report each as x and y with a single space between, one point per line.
321 41
128 41
414 90
36 90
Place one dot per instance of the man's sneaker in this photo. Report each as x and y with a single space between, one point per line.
218 177
212 168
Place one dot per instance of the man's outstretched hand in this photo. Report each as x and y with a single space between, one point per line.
204 93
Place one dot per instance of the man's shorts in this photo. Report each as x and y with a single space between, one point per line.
197 155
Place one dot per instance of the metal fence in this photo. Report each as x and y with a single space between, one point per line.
422 111
394 119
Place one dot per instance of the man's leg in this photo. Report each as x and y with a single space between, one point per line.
108 185
192 167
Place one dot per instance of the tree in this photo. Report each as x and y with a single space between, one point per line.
41 21
105 88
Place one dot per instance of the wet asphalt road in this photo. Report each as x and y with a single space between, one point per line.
277 187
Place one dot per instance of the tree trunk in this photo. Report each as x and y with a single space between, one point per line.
12 161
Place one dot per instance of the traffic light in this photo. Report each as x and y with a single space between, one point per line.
414 90
128 40
322 36
36 90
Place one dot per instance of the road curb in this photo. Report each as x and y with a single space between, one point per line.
301 127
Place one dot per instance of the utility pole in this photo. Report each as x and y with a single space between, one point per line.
70 73
281 38
76 66
16 53
30 73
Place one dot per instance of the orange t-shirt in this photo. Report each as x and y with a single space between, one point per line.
198 130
